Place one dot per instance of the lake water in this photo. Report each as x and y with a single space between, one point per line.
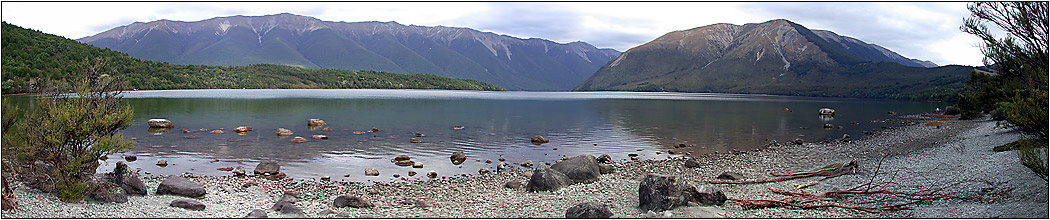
497 124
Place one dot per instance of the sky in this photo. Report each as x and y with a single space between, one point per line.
922 30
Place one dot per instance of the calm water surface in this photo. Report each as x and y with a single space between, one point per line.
497 124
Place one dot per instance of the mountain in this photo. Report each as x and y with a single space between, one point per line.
287 39
775 57
32 58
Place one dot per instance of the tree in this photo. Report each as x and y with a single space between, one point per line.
59 141
1016 90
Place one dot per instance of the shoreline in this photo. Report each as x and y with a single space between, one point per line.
960 151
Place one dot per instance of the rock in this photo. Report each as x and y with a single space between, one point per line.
176 185
606 169
605 158
432 174
326 178
374 130
327 129
413 140
320 137
411 173
351 201
797 141
513 184
826 111
417 165
730 176
284 132
239 171
706 195
402 157
501 167
632 155
526 164
241 129
488 161
588 210
484 171
951 110
126 179
313 122
187 204
160 123
184 130
298 140
828 126
419 134
457 127
547 179
650 214
404 163
692 163
162 163
359 132
285 207
268 167
537 140
371 172
501 159
225 169
217 132
256 213
107 192
845 137
458 157
130 158
659 193
581 169
289 196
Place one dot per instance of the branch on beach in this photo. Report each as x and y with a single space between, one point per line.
829 171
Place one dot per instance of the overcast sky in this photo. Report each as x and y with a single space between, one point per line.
928 31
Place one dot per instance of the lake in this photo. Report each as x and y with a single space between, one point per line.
496 124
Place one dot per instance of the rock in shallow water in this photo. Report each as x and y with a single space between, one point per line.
588 210
160 123
371 172
267 168
458 157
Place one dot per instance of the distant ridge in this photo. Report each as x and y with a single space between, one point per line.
288 39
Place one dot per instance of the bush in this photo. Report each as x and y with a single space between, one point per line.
57 143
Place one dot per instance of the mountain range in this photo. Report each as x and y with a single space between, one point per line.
287 39
774 57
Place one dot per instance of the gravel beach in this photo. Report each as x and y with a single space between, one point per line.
958 154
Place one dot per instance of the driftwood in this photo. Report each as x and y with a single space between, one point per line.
9 201
874 197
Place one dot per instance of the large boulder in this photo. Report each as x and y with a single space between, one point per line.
187 204
108 192
127 179
160 123
176 185
547 179
268 168
458 157
706 195
581 169
351 201
588 210
658 193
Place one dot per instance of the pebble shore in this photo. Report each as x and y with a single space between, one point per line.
959 151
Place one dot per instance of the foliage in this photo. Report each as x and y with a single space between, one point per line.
1016 90
31 58
61 139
